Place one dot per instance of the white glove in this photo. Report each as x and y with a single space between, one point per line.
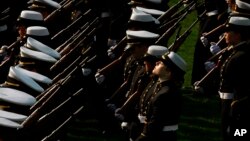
209 65
99 78
110 52
204 41
214 49
198 88
86 71
124 125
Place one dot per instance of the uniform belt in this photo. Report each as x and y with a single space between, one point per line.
226 95
170 128
212 13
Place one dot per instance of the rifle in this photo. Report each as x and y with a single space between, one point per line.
49 102
166 35
61 82
54 134
223 54
114 64
118 48
211 33
92 27
66 5
71 38
74 52
180 39
50 120
173 9
60 36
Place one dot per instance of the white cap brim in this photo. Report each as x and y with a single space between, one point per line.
22 77
33 43
12 116
34 75
16 97
9 123
25 52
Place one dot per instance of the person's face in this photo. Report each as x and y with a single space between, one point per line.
21 30
232 38
160 69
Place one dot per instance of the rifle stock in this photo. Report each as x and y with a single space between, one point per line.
71 38
47 104
173 9
54 134
179 41
83 34
60 36
114 64
66 6
211 33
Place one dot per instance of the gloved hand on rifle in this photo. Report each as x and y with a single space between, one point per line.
86 71
209 65
99 78
110 52
118 115
198 88
214 49
204 40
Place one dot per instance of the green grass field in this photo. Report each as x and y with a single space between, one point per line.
200 120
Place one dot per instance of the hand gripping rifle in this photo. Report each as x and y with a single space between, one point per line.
214 72
180 39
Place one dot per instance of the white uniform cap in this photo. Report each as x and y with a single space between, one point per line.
157 50
12 116
177 60
141 34
154 1
138 15
240 21
37 45
22 77
16 97
155 12
34 75
242 4
37 31
50 3
28 53
9 123
31 15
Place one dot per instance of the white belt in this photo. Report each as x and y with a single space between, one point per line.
226 95
170 128
212 13
142 118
